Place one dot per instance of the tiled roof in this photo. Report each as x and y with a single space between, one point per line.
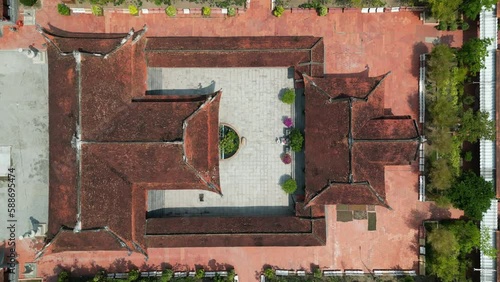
349 139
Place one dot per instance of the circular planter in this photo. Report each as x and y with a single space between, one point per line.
228 139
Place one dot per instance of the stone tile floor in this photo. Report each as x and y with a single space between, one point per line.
250 180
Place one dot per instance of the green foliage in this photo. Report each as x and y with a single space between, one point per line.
468 156
229 142
28 3
475 126
63 276
289 186
206 11
278 11
133 275
465 26
444 10
269 273
99 276
296 140
97 10
230 275
453 26
133 10
442 25
288 96
440 174
231 11
322 11
472 194
171 11
200 273
472 8
64 10
473 53
318 273
485 245
167 275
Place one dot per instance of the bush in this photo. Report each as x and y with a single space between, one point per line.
63 276
269 273
465 26
453 26
278 11
442 25
318 273
171 11
64 10
468 156
200 273
296 140
230 275
206 11
289 186
230 142
97 10
288 97
133 10
28 3
133 275
231 11
286 159
167 275
322 11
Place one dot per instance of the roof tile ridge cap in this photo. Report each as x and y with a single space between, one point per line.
52 242
376 86
123 243
209 185
379 198
210 97
310 80
318 194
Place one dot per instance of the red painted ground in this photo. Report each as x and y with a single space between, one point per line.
382 42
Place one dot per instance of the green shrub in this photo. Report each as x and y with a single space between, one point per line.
231 11
206 11
230 142
167 275
442 25
465 26
200 273
64 10
453 26
296 140
230 275
289 96
322 11
290 186
158 2
133 10
171 11
278 11
133 275
468 156
63 276
318 273
97 10
269 273
28 3
100 276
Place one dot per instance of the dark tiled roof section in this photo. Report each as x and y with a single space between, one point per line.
90 45
227 225
87 240
201 141
316 237
385 152
344 193
62 157
231 43
388 128
326 146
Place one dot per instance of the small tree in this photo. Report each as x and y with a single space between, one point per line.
485 245
444 10
133 275
231 12
206 11
296 140
322 11
472 194
269 273
288 96
63 276
290 186
64 10
200 273
167 275
475 126
28 3
133 10
278 11
473 53
171 11
97 10
472 8
453 26
318 273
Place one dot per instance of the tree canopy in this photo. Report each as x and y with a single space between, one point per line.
473 53
472 194
475 126
472 8
444 10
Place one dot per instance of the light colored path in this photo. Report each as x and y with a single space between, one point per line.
24 126
250 180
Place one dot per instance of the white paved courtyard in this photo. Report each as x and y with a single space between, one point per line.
250 180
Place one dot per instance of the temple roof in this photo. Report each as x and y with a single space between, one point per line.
349 139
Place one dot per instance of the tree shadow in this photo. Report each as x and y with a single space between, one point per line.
416 218
418 49
446 39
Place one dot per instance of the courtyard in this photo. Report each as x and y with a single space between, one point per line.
250 180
